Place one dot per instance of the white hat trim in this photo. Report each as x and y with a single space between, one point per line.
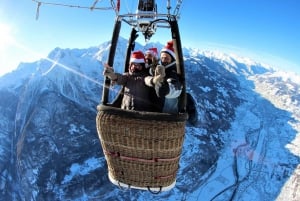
135 60
169 51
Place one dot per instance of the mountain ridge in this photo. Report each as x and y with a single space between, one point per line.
246 141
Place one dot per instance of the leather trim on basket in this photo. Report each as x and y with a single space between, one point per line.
143 115
153 160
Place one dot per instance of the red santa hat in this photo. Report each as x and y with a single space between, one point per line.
153 51
137 57
169 49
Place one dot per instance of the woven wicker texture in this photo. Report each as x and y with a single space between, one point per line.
141 152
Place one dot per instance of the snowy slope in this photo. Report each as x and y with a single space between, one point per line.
246 145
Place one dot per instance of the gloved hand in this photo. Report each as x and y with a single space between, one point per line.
157 80
159 75
160 70
109 72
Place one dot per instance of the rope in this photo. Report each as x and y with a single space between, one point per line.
94 4
153 160
115 7
177 8
73 6
38 11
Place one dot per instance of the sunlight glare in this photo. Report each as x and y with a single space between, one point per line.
6 38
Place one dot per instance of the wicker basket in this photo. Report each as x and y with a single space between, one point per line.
142 149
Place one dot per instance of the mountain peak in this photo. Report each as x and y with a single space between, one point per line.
247 131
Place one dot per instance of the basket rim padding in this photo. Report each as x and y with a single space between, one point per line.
181 117
127 186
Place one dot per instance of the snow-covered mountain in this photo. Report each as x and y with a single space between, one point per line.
246 145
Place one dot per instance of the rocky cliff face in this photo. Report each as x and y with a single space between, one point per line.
244 145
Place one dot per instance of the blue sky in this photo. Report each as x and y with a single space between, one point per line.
266 31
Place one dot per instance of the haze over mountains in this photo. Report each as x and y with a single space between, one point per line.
246 145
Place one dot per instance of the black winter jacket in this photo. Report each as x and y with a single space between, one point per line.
136 93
